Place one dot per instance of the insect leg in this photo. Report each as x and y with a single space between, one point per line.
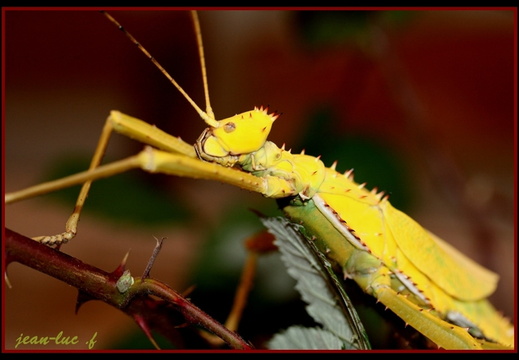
150 160
123 124
444 334
72 222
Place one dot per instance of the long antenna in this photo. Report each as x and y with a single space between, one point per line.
207 117
198 32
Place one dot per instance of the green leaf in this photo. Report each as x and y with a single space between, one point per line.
328 303
313 338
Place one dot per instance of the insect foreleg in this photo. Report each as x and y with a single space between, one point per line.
157 161
72 222
148 134
125 125
150 160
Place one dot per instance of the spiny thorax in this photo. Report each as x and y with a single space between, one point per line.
304 174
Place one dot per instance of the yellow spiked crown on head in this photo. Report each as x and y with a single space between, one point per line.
240 134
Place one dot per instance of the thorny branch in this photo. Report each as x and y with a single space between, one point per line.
137 299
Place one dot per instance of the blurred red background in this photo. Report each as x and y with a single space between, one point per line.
437 88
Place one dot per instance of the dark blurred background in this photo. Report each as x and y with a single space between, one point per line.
419 103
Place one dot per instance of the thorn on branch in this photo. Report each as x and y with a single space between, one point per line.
154 255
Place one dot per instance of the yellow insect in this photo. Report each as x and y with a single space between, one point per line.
423 280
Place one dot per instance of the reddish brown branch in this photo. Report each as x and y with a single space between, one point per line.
135 300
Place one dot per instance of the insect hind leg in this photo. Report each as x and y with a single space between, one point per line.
446 335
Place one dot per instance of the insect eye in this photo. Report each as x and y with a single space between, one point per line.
229 127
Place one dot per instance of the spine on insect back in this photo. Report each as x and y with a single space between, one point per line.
378 246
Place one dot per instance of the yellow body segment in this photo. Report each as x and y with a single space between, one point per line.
435 275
